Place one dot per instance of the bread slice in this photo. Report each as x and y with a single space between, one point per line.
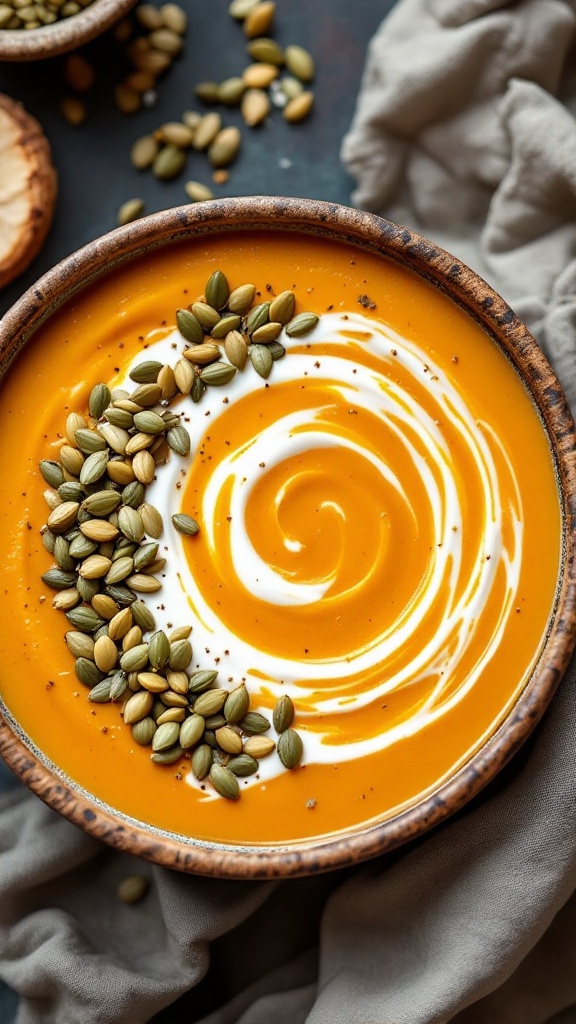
28 187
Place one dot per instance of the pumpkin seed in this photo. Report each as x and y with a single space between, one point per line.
257 317
254 722
202 681
301 324
217 374
202 355
146 372
178 439
206 91
228 739
207 129
79 644
52 473
169 756
63 516
207 315
87 672
242 765
120 624
240 300
144 467
57 579
197 192
159 649
230 91
129 211
105 654
143 731
241 8
236 704
298 108
185 524
89 441
266 50
191 731
210 702
180 655
168 163
229 322
189 326
93 468
236 349
71 459
133 888
137 707
142 615
202 759
255 107
259 76
224 782
143 152
259 746
224 148
290 748
99 400
152 520
299 63
166 736
135 658
100 693
283 714
101 503
261 359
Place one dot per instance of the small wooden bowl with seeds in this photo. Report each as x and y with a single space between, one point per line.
53 33
283 590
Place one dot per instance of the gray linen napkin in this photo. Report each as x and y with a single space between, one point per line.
458 133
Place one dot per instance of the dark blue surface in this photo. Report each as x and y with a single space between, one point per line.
96 177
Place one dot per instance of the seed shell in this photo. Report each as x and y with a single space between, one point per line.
185 524
217 374
224 782
261 359
202 759
290 748
189 326
243 765
169 756
283 714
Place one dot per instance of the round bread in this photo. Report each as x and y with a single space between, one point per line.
28 186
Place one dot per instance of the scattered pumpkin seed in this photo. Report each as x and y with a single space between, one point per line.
131 210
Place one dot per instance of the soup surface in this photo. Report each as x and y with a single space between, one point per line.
380 537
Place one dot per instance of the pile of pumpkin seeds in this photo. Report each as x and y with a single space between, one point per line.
276 77
104 535
29 14
152 41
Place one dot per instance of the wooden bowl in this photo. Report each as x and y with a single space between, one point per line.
368 233
62 35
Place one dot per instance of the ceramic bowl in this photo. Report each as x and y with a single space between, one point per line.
63 35
467 291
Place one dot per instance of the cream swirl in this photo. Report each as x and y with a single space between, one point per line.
380 452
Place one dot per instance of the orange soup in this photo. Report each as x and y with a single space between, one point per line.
379 539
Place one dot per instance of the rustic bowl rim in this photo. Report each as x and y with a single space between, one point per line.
62 35
468 290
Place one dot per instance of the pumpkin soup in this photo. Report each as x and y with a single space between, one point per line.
360 544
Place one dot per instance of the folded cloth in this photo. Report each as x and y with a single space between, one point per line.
463 131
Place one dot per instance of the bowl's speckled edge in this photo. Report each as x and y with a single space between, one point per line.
63 35
489 309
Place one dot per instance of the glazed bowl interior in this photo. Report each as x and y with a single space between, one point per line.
63 35
358 237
